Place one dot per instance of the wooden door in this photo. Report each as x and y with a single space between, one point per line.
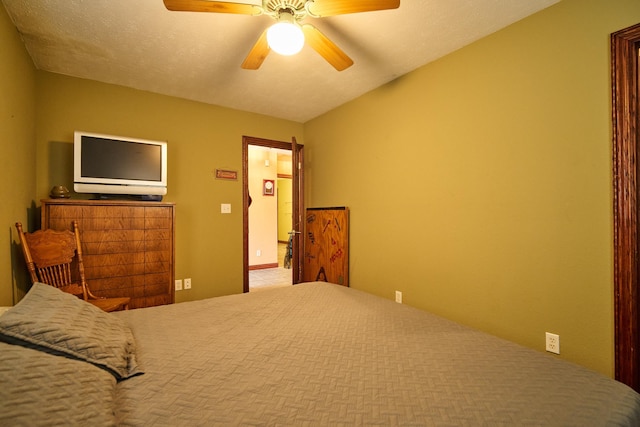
326 248
298 208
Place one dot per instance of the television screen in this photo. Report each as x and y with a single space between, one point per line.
106 164
108 158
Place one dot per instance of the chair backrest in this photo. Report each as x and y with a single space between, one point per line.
55 258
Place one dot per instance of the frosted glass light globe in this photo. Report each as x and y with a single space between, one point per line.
285 38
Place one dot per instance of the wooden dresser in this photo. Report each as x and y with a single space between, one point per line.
128 246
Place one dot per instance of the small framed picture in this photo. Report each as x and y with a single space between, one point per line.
268 187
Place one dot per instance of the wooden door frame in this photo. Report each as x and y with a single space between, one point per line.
297 168
246 141
624 67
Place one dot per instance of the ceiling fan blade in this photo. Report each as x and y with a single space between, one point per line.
320 8
326 48
258 53
212 6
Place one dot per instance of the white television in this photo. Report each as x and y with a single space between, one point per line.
113 165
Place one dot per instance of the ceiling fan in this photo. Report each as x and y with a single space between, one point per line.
288 36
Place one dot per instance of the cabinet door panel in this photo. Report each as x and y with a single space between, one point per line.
160 234
103 260
89 224
326 248
157 223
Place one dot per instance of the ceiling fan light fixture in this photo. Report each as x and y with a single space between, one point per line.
285 37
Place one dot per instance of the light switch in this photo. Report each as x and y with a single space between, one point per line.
225 208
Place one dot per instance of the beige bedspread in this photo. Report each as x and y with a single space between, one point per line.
321 354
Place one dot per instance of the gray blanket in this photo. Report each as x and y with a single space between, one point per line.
321 354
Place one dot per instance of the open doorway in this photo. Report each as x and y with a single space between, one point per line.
272 176
270 217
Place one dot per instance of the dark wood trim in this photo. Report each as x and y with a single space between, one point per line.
263 266
246 141
245 214
297 261
624 66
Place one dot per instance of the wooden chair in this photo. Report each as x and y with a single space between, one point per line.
55 258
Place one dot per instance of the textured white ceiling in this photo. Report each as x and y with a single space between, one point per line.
197 56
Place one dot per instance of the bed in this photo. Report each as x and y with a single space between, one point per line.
310 354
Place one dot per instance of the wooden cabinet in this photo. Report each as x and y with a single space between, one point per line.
326 246
128 246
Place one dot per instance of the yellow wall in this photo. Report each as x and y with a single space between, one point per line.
480 185
285 197
285 206
200 139
17 158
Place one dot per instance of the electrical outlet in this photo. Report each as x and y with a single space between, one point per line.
187 283
225 208
258 252
399 297
552 343
178 285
